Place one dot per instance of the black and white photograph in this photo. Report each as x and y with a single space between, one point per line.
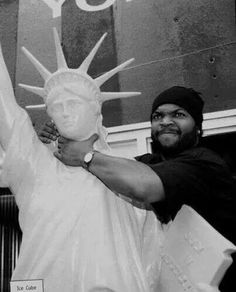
117 145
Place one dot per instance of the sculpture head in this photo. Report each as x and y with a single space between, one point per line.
74 113
72 98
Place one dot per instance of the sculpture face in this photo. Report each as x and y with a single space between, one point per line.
73 113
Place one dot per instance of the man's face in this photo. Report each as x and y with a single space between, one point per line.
173 129
74 117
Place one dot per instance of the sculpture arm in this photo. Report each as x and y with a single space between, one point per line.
9 109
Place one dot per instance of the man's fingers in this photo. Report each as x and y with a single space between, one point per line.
93 138
45 140
48 132
62 140
51 125
48 135
58 155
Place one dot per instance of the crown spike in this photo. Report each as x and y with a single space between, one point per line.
61 62
102 79
65 75
115 95
41 69
37 90
86 63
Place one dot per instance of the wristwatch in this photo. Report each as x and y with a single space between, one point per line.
88 157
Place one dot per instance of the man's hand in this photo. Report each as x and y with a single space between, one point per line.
124 176
72 152
48 133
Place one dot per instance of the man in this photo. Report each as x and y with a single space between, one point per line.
178 172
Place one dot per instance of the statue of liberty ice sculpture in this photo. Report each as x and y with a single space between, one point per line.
78 236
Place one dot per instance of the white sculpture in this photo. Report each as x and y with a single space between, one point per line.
78 236
195 256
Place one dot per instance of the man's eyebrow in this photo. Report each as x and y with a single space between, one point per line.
179 109
162 111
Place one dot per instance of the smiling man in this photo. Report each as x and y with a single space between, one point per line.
176 120
179 171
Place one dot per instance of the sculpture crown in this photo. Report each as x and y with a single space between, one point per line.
66 76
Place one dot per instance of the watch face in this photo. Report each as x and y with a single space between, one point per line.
88 157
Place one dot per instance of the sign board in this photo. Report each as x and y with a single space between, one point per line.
27 286
195 256
56 5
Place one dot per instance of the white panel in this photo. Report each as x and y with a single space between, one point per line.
148 143
134 139
127 149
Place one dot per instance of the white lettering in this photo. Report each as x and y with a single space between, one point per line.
55 5
195 243
82 4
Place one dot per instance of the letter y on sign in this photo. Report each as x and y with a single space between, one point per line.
82 4
55 5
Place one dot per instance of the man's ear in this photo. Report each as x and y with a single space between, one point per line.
198 134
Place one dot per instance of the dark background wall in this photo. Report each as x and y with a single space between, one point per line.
156 30
183 42
80 32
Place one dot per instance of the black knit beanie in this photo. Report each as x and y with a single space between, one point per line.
187 98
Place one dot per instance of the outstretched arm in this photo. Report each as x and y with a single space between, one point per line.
9 108
127 177
124 176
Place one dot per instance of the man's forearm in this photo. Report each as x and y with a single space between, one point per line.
124 176
127 177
